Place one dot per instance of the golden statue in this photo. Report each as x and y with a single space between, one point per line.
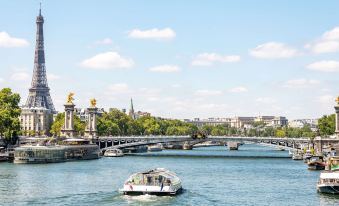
93 102
337 100
70 98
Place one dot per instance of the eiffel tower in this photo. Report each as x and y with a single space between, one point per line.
39 95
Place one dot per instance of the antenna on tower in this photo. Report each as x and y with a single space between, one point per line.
40 9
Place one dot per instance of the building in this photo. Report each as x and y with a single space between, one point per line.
265 119
279 122
36 121
209 121
83 113
241 122
300 123
37 114
138 114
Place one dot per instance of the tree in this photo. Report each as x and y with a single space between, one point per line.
207 129
280 133
9 115
326 125
118 118
59 121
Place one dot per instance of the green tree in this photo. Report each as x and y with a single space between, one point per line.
207 129
117 117
58 123
9 115
326 125
280 133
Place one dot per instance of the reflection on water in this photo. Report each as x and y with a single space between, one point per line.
211 176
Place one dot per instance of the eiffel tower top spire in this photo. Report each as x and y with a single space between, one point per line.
39 95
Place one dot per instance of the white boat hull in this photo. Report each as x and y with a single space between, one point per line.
151 190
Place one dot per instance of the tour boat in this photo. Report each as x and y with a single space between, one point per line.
329 180
307 156
157 181
297 155
316 163
155 148
113 153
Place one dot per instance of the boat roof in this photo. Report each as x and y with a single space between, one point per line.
329 175
76 140
158 171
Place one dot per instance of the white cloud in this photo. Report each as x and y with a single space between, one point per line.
106 41
107 60
332 34
265 100
323 46
158 34
329 42
205 92
273 50
20 76
165 68
326 99
53 77
324 66
208 59
7 41
238 89
1 80
301 83
118 88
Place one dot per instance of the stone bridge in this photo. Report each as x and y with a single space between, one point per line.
120 142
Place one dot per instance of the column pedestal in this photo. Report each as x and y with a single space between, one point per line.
91 126
337 120
68 128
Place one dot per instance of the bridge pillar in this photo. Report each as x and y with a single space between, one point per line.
68 127
91 127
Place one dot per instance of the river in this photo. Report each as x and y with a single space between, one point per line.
253 175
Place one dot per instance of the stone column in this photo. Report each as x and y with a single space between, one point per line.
91 127
68 128
336 107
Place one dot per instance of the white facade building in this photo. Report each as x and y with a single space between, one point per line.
36 120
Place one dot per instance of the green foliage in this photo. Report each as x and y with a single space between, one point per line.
116 123
58 123
326 125
280 133
9 115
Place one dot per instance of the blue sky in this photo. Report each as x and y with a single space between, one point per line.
180 59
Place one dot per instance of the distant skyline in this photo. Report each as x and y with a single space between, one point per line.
180 59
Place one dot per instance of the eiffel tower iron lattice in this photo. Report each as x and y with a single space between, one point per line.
39 95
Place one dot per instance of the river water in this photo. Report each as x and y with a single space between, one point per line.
253 175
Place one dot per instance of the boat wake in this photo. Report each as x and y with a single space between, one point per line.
145 198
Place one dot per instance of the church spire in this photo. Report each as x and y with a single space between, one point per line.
131 111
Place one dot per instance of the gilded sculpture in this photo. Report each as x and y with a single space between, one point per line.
93 102
70 98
